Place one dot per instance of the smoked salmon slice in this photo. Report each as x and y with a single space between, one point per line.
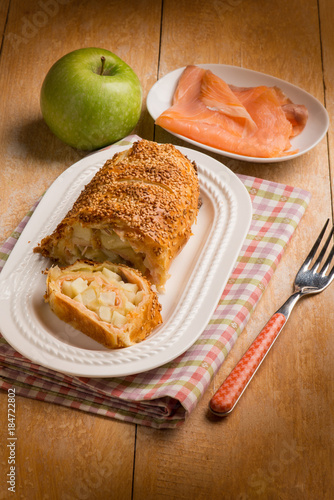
217 96
297 114
250 121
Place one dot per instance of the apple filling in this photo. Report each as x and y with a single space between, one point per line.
102 244
105 294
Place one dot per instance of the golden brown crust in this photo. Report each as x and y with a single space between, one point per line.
148 195
140 321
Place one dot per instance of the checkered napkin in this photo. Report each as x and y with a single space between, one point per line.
165 396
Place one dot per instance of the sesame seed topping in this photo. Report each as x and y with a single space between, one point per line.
151 188
148 195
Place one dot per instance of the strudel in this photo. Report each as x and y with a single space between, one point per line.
113 304
138 209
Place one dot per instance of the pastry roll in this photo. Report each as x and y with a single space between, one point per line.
138 209
113 304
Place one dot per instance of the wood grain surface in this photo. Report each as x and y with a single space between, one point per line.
279 441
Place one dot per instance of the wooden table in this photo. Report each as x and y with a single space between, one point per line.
278 443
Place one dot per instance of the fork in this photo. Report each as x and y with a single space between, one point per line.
307 281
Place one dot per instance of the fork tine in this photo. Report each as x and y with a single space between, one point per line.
328 260
314 249
322 253
331 275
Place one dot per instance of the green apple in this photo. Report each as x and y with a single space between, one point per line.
91 98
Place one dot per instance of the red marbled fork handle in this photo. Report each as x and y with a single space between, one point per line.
231 390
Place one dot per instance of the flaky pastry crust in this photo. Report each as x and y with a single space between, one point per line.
139 207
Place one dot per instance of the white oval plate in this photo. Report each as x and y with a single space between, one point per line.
198 277
160 98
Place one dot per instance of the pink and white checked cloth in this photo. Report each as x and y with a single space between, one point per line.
165 396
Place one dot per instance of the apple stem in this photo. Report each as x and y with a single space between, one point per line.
103 60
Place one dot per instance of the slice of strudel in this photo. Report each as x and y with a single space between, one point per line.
138 209
113 304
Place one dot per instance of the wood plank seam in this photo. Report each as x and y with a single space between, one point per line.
325 104
4 29
159 52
